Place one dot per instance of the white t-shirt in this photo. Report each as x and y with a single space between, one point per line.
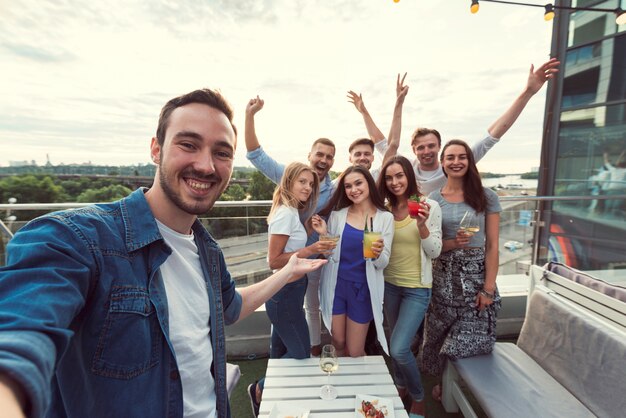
189 326
286 221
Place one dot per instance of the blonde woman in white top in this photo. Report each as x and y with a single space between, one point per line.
294 199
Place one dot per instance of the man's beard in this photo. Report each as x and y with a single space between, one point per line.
196 207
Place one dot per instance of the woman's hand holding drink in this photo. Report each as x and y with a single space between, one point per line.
372 244
418 208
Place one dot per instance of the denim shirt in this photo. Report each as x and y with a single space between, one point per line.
273 170
83 314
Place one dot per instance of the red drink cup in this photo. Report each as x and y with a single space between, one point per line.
414 208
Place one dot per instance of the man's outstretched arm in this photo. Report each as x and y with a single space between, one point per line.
254 105
255 154
12 399
372 130
536 80
257 294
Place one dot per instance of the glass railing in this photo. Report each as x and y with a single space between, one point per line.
533 230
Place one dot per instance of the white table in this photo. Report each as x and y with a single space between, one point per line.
297 383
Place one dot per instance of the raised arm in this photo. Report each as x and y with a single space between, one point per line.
393 140
536 79
254 105
372 130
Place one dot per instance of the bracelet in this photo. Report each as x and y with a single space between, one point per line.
487 294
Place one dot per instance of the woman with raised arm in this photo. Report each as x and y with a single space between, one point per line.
408 276
461 318
294 199
352 287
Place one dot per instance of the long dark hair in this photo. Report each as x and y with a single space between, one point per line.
473 191
339 199
412 187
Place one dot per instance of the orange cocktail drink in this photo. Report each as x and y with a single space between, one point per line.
368 239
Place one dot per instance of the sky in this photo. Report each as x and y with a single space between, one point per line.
85 81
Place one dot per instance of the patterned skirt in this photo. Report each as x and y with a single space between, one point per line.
454 327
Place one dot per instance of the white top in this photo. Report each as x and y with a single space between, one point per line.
383 222
286 221
188 316
617 178
430 181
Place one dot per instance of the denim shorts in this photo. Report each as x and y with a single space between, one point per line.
353 299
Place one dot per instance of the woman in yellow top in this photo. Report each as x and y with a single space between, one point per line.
408 276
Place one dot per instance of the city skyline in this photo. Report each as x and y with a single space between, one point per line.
85 82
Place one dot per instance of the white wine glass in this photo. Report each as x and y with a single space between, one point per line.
332 238
329 364
469 223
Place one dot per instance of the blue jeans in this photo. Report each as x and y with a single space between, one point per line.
290 332
405 308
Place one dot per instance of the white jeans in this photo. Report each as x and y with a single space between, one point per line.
312 306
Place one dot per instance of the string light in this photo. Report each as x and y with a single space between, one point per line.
620 14
474 7
549 14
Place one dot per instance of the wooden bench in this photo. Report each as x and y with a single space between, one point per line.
569 360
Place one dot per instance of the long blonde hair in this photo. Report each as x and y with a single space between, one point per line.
283 195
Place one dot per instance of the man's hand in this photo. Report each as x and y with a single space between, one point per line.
11 398
401 89
537 78
254 105
297 267
357 101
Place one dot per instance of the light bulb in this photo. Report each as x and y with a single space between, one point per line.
549 14
620 14
474 7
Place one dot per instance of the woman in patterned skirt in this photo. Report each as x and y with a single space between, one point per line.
461 319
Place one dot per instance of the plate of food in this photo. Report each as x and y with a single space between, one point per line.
373 407
285 411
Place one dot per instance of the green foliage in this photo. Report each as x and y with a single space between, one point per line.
260 188
491 175
30 189
104 194
234 192
530 176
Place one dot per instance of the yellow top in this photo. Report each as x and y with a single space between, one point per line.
405 263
